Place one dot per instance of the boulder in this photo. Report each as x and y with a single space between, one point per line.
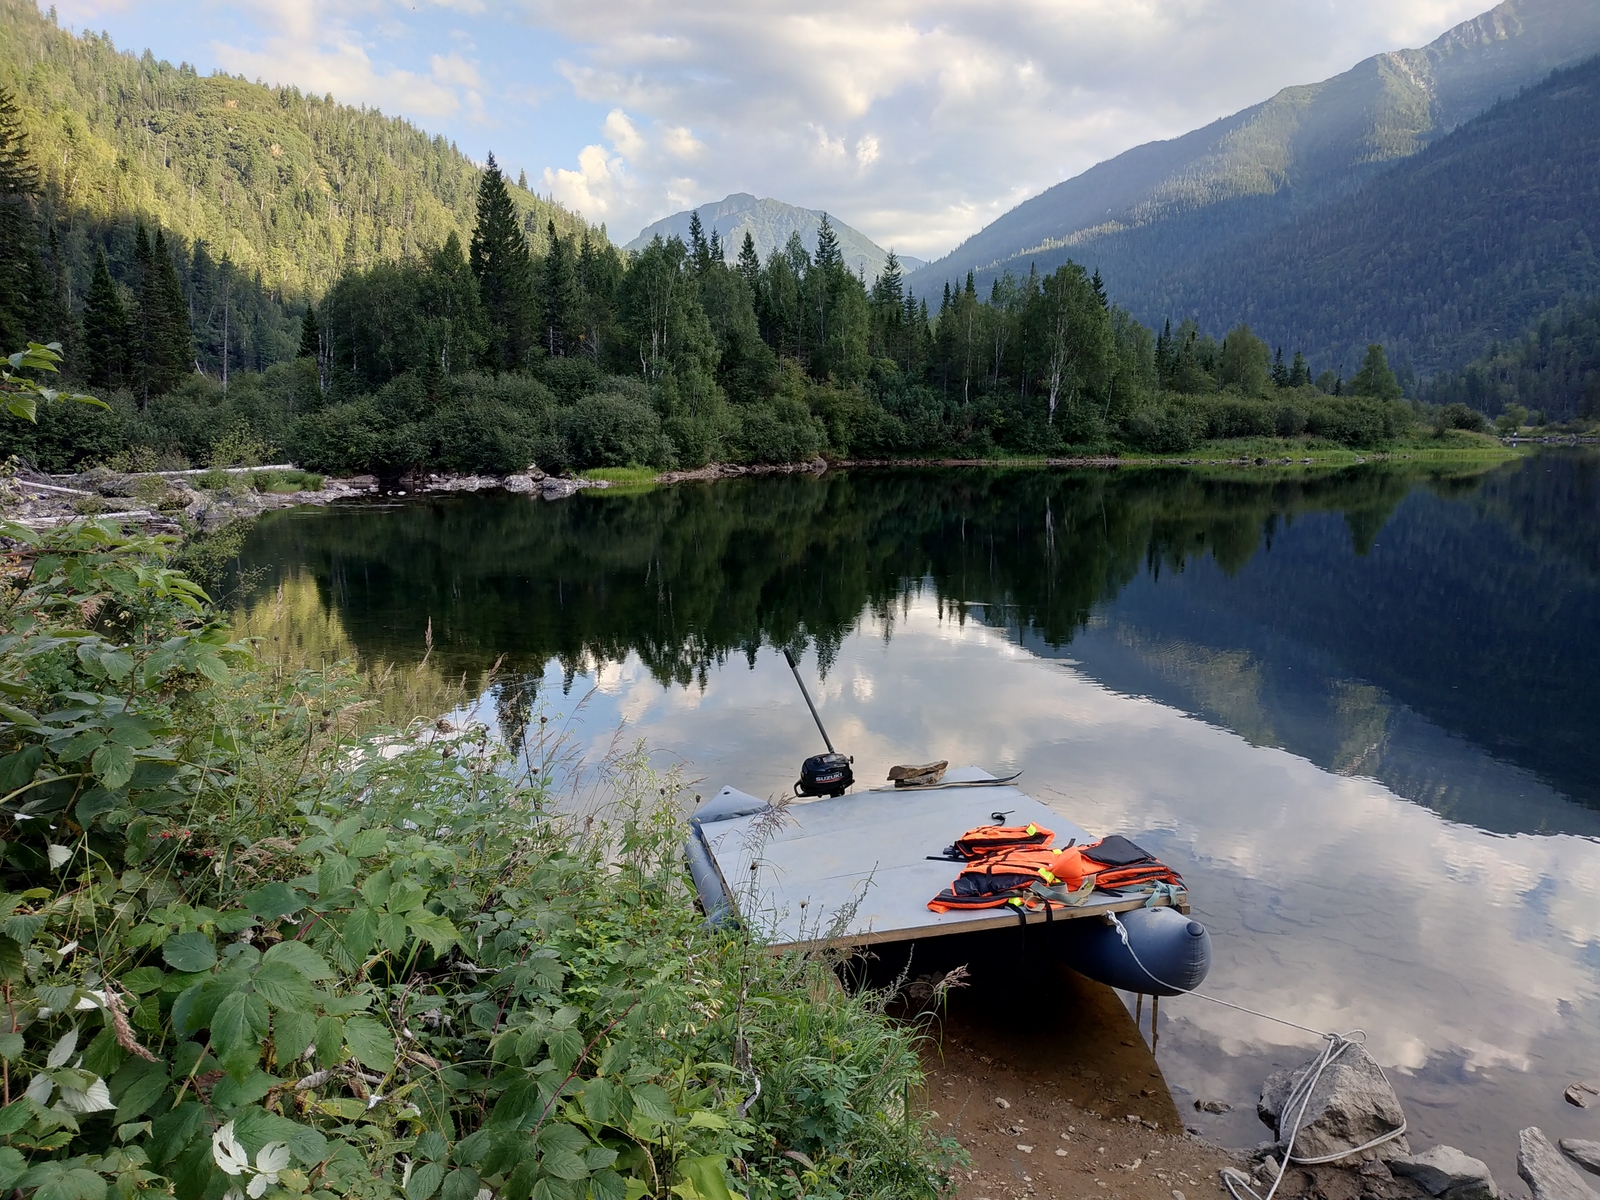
1547 1174
1447 1173
1585 1154
1351 1104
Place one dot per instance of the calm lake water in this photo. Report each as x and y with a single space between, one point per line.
1357 710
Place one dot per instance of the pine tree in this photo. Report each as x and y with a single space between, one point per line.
828 256
1299 373
718 255
1099 289
561 297
176 356
19 260
522 180
1280 372
699 248
504 271
53 320
310 334
749 264
106 332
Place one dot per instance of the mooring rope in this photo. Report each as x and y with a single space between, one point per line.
1299 1098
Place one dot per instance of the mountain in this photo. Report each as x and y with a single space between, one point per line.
1158 207
1457 247
291 188
769 223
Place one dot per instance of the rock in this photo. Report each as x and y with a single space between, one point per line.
1583 1093
1547 1174
1352 1103
1446 1172
1213 1106
1002 1102
1585 1154
522 484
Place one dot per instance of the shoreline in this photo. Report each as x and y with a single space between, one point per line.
38 501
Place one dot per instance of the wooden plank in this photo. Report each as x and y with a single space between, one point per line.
855 870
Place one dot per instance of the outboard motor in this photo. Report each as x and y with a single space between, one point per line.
822 774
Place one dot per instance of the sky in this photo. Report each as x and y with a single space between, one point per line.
916 121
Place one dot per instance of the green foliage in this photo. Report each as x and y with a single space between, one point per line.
246 950
23 394
1554 367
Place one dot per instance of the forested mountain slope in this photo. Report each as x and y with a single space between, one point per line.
1456 248
769 224
290 188
1158 206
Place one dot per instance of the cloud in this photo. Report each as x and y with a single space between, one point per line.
596 188
920 121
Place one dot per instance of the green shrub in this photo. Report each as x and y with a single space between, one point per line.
780 432
379 967
1160 429
1459 416
614 429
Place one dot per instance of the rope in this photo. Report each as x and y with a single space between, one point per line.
1299 1098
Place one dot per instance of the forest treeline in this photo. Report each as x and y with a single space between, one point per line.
265 194
1551 370
493 356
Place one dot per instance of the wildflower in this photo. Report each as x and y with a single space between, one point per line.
230 1154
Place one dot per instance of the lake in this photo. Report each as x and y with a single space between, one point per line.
1357 709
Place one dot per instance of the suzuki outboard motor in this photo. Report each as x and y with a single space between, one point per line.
822 774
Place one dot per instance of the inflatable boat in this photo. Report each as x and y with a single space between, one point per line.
855 869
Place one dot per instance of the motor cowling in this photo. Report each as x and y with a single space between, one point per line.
825 775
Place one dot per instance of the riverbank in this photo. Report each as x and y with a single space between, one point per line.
183 502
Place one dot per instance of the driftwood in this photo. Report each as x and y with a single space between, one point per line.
918 776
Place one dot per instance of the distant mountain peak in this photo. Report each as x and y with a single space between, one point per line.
769 223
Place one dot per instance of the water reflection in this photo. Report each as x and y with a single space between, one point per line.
1355 710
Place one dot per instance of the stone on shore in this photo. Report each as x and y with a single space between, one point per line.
1447 1173
1350 1105
1585 1153
1548 1175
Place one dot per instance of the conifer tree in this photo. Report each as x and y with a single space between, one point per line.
19 186
1299 373
699 248
828 256
1099 287
561 298
176 357
749 264
1280 370
54 319
504 271
106 333
718 255
310 334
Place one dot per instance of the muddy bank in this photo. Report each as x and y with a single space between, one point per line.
1054 1089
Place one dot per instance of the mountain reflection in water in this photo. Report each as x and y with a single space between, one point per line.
1356 709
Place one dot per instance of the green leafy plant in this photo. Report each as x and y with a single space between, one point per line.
22 394
245 954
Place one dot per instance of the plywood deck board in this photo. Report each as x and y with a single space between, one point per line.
795 877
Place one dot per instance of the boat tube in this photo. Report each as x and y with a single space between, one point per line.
1157 951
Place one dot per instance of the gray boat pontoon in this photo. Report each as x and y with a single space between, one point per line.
855 870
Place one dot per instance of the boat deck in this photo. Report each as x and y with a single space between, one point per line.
855 870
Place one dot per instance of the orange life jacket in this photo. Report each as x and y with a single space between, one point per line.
992 839
1112 863
1003 877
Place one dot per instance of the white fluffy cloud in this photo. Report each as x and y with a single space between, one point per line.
920 121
